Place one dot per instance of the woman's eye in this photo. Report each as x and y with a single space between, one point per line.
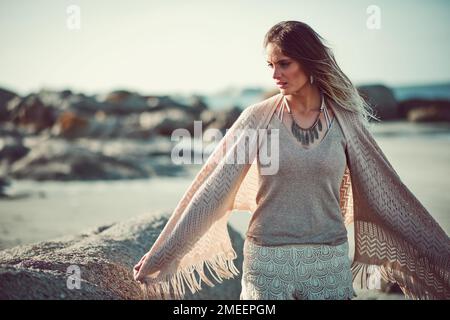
283 65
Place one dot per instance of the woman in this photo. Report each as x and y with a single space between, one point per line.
330 172
304 255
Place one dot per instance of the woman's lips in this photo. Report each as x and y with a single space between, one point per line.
282 84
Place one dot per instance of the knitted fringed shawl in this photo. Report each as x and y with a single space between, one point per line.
394 234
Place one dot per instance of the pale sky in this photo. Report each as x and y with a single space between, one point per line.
171 46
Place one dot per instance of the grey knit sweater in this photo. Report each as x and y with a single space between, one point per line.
300 204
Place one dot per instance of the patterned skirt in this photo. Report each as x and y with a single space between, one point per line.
296 272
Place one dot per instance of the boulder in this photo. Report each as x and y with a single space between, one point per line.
125 102
382 101
220 119
96 264
70 125
193 104
83 105
164 122
423 110
31 113
4 183
10 130
5 97
60 160
54 99
12 149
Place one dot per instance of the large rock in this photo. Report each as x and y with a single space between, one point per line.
10 130
5 97
83 105
142 125
60 160
40 158
164 122
126 101
54 99
70 125
422 110
123 102
105 258
12 149
193 104
31 113
4 183
153 155
220 119
382 101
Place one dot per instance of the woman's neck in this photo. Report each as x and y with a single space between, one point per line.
305 100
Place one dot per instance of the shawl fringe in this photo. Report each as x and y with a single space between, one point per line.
173 286
411 288
397 261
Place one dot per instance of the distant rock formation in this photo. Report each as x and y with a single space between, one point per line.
420 110
62 135
81 127
382 101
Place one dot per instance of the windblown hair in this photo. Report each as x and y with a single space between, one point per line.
300 42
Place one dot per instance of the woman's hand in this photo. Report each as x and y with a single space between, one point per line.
137 276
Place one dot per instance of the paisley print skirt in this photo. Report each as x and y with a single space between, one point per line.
296 272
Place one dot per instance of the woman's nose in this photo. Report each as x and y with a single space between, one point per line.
276 74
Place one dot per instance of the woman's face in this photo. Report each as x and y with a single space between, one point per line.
287 73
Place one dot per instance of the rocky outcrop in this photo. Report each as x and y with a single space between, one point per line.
103 258
31 114
219 119
420 110
382 101
4 183
12 149
5 97
59 135
59 160
135 124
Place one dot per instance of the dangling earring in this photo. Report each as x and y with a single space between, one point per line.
311 79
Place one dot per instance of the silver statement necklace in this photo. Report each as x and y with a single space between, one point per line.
306 136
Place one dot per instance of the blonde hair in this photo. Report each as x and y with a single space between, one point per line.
300 42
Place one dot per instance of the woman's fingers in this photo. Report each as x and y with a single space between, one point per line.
136 273
137 268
